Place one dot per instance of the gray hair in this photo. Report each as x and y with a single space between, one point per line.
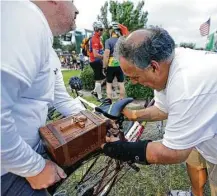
158 45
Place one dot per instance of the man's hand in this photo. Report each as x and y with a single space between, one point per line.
110 139
51 174
130 114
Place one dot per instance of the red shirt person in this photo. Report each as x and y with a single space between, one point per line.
96 56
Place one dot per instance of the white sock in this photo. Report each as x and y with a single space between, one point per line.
98 90
94 90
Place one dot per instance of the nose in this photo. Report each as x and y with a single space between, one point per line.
76 10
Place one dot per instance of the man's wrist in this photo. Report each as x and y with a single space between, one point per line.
134 115
127 151
40 167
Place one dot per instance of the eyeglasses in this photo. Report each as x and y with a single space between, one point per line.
100 29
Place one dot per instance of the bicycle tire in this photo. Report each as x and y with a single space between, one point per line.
93 183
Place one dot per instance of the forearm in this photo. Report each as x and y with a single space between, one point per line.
157 153
106 56
105 61
97 55
16 155
19 158
144 152
63 102
68 106
149 114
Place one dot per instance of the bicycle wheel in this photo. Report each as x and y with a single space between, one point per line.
94 177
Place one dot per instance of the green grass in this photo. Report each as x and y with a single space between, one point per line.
92 100
67 74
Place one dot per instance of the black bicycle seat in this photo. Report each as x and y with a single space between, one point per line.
113 110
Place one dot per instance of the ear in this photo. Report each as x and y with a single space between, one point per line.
155 66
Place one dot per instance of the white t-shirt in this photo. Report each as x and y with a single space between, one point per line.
190 99
31 80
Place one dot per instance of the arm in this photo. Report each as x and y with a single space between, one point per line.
157 112
106 58
149 114
96 54
16 155
147 152
183 132
106 54
96 47
157 153
63 102
18 72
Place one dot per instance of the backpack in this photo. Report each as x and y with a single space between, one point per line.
86 46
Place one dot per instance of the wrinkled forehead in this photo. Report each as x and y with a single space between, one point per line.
127 46
127 67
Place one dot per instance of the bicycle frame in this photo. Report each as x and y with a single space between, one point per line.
100 189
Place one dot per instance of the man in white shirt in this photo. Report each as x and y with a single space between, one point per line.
31 80
185 83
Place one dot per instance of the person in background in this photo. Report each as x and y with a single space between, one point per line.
74 60
96 57
81 59
31 81
111 64
68 61
62 60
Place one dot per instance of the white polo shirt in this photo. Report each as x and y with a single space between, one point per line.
31 80
190 99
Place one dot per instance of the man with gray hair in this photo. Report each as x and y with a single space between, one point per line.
185 84
31 80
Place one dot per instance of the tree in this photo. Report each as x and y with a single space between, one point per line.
69 48
187 45
103 17
125 13
57 42
128 14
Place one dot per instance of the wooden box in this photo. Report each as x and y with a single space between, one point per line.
70 139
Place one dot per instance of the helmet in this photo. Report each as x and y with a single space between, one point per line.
97 25
75 83
114 26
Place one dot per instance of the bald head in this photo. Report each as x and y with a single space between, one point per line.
60 15
136 37
144 45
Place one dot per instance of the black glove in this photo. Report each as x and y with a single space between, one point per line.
127 151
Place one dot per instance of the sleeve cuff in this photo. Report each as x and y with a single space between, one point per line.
38 168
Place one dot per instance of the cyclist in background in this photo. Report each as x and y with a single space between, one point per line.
111 64
74 60
96 56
